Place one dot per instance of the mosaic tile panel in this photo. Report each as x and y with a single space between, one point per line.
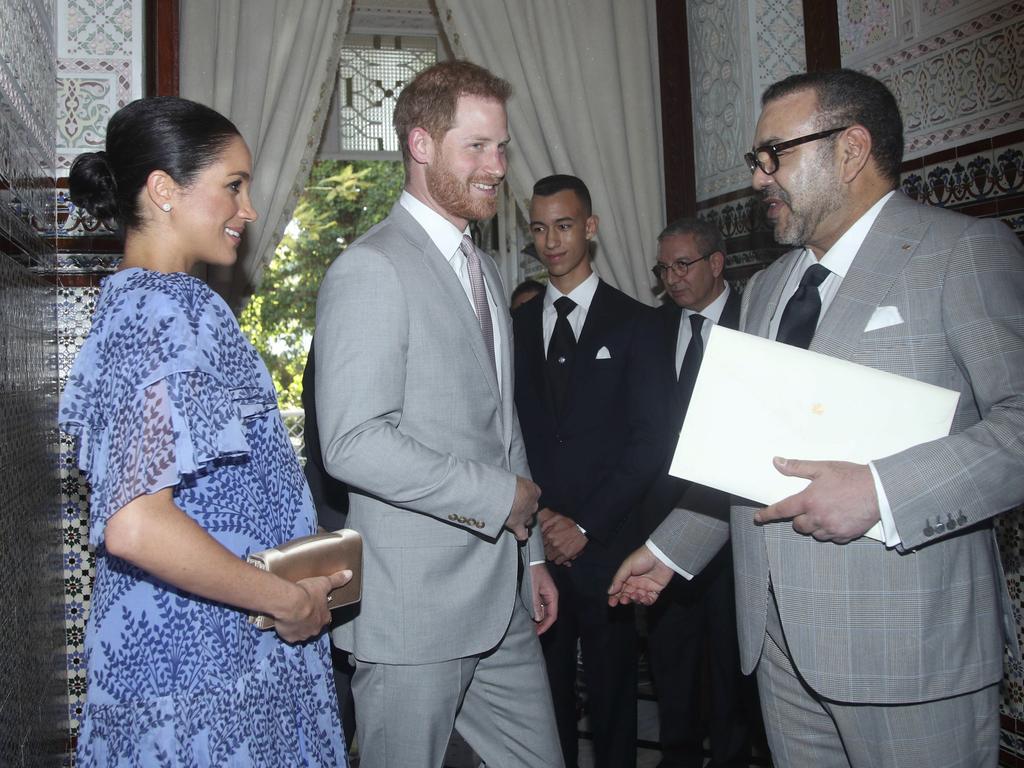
27 88
940 7
97 28
99 70
30 641
75 306
863 23
958 83
722 97
780 41
26 77
736 51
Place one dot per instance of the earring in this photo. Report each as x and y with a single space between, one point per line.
166 207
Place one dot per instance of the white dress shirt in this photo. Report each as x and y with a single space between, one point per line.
448 240
582 294
837 260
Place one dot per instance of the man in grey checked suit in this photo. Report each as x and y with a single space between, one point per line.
872 654
415 409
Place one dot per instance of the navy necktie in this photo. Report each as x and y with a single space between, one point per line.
691 363
800 318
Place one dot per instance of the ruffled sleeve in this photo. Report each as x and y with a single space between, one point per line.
159 394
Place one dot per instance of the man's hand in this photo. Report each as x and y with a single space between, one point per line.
545 597
524 507
640 579
839 505
563 540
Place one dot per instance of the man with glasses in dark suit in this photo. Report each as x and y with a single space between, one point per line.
700 612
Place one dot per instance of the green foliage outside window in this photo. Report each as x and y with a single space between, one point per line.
341 202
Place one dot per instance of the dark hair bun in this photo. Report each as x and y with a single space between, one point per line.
91 185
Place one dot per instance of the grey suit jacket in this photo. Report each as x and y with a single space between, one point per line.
412 419
929 619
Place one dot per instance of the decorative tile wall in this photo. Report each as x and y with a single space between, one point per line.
99 45
957 69
736 50
99 69
29 529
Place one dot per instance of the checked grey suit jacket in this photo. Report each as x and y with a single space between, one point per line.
867 624
412 419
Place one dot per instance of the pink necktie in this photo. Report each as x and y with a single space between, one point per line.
479 290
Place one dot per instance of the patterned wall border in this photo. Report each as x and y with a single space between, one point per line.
954 84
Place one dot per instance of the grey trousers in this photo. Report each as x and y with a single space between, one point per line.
805 729
499 702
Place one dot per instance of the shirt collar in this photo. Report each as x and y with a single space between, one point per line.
442 232
712 311
839 257
582 294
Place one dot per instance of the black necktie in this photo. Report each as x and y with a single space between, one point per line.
691 363
561 350
800 317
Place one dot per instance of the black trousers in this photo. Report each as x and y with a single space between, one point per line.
608 640
693 621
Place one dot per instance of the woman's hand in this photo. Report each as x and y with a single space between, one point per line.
309 611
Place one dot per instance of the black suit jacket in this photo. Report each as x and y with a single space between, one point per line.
596 460
667 491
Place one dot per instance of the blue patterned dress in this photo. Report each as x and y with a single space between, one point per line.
166 392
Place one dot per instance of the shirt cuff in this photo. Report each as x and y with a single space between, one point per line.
889 532
537 562
581 529
664 558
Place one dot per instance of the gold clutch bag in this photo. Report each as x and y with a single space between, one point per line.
318 555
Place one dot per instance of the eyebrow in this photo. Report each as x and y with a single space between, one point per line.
244 174
557 221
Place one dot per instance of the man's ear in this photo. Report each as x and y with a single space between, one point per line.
161 190
421 145
717 262
853 149
591 226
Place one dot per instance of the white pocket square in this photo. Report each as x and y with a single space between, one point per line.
603 354
883 318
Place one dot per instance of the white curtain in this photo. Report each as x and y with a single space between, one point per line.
269 65
586 102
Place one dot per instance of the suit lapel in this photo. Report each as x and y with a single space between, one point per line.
534 352
730 317
503 322
765 300
889 245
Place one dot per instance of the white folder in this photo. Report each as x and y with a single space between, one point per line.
755 399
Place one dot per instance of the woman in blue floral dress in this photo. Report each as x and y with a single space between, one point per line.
190 467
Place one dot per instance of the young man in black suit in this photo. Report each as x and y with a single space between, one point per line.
691 261
593 421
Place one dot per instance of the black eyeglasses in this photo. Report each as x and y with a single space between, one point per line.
766 157
679 268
